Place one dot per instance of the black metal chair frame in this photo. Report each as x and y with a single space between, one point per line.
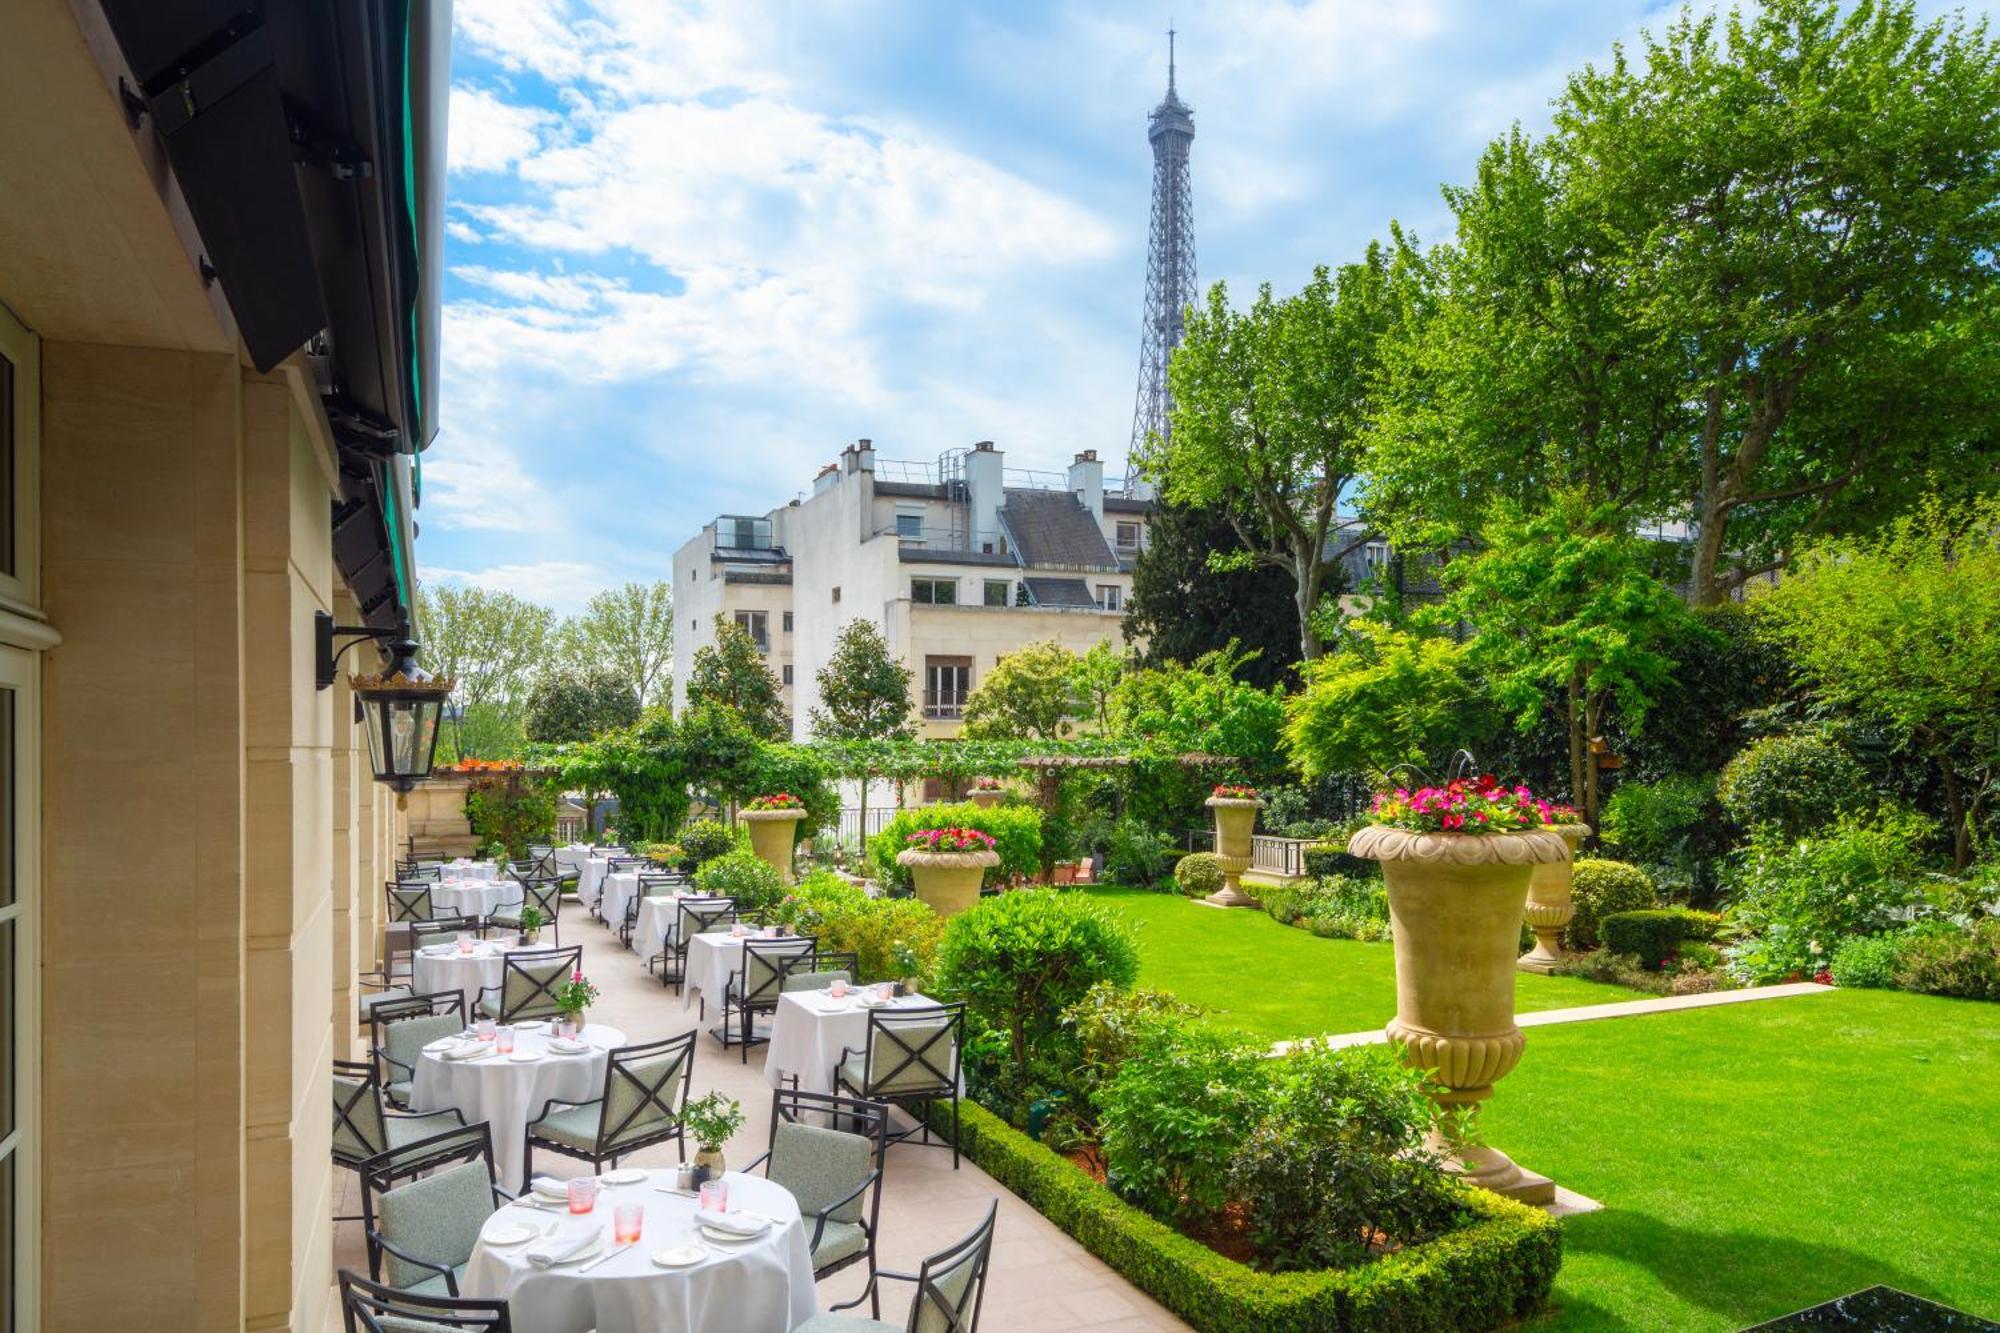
444 925
930 1295
366 1304
541 988
382 1015
400 913
790 969
616 865
545 896
706 913
850 1115
370 1097
884 1023
473 1143
736 994
649 1099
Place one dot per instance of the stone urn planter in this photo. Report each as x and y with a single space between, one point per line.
1549 905
948 881
1455 915
986 797
1235 819
771 836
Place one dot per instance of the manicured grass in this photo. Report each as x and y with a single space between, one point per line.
1278 981
1760 1158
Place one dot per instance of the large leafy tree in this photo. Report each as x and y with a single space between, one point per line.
628 630
864 690
1204 707
1269 409
575 706
730 673
1182 606
1903 629
1384 697
493 644
1030 694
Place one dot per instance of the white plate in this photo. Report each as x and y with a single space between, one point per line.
625 1177
681 1256
512 1234
561 1047
441 1044
523 1057
534 1026
589 1251
559 1195
730 1237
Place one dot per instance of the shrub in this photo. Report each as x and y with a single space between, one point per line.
1173 1114
1338 1160
1795 783
1018 960
1800 899
1496 1269
1137 856
1337 906
1016 831
1655 935
844 919
745 876
1674 828
1107 1024
1331 858
1950 960
1598 888
704 840
1866 962
1198 874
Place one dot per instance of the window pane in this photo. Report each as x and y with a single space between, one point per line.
996 593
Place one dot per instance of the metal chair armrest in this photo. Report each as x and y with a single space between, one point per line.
451 1283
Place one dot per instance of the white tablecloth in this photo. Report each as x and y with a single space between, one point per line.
712 961
763 1285
573 856
471 897
619 889
590 880
657 915
506 1093
482 969
809 1031
463 869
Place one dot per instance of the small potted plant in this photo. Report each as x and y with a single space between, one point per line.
908 966
947 865
573 998
531 926
711 1120
1235 808
774 825
986 793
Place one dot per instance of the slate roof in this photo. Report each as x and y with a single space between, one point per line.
1060 592
1053 528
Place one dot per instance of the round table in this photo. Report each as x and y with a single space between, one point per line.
437 968
810 1030
711 961
472 897
657 915
464 869
761 1285
507 1093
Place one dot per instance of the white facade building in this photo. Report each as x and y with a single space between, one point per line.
959 562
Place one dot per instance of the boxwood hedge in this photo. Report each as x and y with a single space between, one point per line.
1495 1270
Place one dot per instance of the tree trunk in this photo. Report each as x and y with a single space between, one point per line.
1573 715
862 827
1593 716
1954 804
1306 578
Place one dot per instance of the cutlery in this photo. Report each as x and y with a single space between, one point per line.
611 1253
669 1189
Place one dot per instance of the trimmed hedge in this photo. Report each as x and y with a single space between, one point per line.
1489 1273
1656 934
1331 858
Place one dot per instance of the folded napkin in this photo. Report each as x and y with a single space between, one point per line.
567 1047
561 1246
548 1187
467 1050
736 1224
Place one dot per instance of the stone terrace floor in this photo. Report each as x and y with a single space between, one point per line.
1041 1279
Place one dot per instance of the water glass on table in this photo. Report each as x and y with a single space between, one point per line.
503 1038
628 1222
837 988
715 1195
484 1028
582 1194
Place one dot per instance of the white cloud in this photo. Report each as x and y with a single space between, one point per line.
478 483
563 584
487 134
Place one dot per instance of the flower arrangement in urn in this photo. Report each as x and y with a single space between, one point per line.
950 840
1230 791
712 1120
574 996
782 800
947 865
1480 805
774 820
1235 805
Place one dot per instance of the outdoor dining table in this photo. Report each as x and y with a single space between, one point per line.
763 1284
657 914
465 868
436 968
472 897
590 880
811 1029
713 957
507 1092
618 891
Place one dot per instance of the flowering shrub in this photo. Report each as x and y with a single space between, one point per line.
577 994
783 800
1479 806
1225 791
987 784
1799 900
949 840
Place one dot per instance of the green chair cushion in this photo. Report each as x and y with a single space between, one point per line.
657 1076
434 1285
572 1126
839 1241
405 1130
398 1092
844 1323
816 980
820 1166
436 1218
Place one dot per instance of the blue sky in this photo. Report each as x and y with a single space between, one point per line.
696 248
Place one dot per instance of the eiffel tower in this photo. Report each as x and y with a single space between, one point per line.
1169 262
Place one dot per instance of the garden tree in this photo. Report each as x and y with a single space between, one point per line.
1903 629
628 630
864 693
1030 694
719 749
731 673
574 706
1269 410
1383 698
1564 598
492 644
486 731
1182 607
1095 679
1202 708
644 765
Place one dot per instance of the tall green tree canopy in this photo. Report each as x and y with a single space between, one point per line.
1201 707
492 643
1269 409
1383 697
1182 606
864 690
1030 694
730 673
575 706
628 630
1903 628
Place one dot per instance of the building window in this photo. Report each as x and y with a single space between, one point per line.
910 527
999 592
1110 597
934 592
1128 536
787 673
788 622
947 682
757 625
836 594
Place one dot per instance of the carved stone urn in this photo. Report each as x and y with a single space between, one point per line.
1455 915
1235 819
986 797
772 833
1549 904
948 881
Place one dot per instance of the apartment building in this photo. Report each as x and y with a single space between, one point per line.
959 561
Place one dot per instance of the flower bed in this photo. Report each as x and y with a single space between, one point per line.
1495 1269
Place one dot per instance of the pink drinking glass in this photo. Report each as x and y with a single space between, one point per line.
465 943
503 1038
883 991
715 1195
582 1194
628 1220
837 988
484 1027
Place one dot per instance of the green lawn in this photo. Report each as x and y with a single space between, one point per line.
1278 981
1752 1159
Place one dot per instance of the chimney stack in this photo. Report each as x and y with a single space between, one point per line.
1086 482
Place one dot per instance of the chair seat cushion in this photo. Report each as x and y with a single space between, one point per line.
572 1126
434 1285
840 1240
368 1002
404 1130
851 1072
844 1323
398 1092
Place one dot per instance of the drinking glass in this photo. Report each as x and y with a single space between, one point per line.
484 1027
838 988
464 942
566 1028
883 992
503 1038
583 1194
715 1195
628 1220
